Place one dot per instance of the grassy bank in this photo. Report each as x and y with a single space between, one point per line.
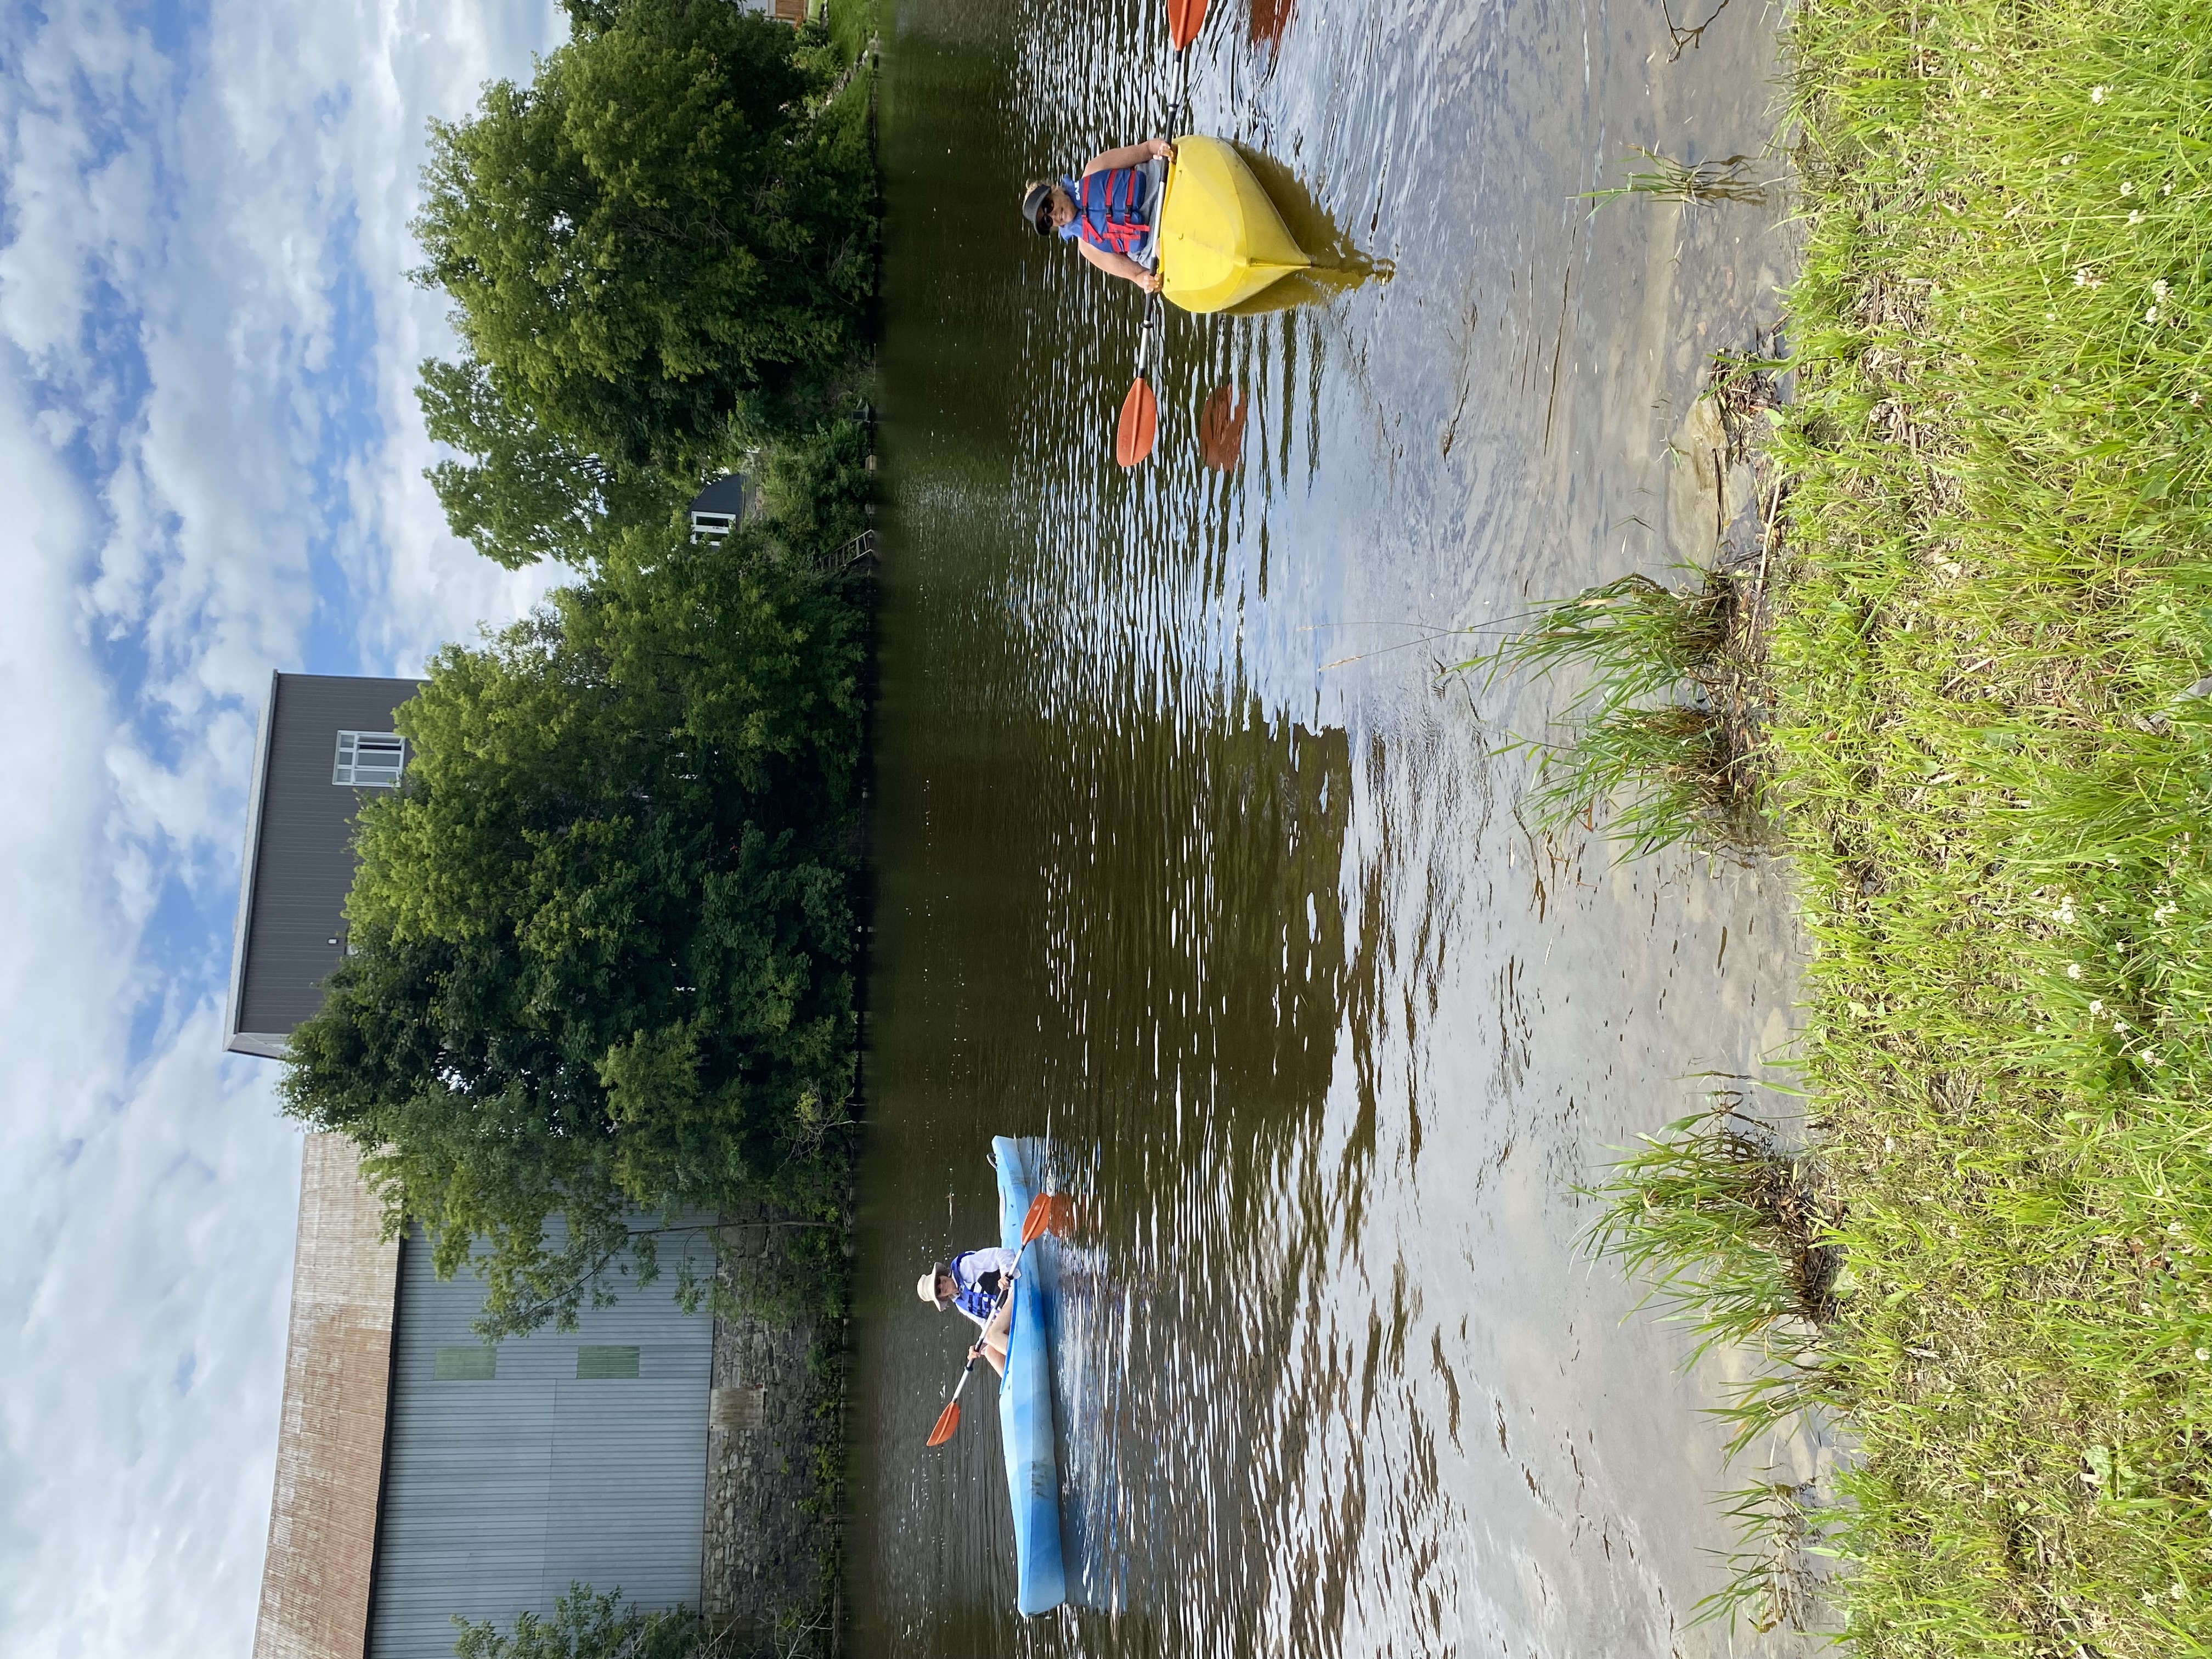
1990 758
1988 748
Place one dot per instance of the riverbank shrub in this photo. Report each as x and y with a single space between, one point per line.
585 1625
1987 740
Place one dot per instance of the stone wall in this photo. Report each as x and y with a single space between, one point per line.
773 1526
329 1435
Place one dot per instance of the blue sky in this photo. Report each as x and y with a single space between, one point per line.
211 466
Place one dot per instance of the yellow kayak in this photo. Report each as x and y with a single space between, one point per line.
1220 238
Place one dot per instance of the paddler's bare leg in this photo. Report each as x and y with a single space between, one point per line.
993 1342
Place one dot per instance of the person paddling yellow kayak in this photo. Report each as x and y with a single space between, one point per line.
1108 211
1200 232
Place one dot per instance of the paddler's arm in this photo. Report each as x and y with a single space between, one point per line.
1118 264
1130 155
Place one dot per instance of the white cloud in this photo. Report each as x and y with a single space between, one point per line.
211 457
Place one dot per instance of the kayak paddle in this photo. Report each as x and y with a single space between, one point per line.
1140 422
1039 1218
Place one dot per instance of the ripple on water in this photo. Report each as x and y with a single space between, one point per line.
1188 858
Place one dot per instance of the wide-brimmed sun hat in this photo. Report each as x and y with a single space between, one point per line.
925 1288
1034 202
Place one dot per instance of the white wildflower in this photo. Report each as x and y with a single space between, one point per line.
2096 1005
2151 315
2127 186
2135 218
2097 95
2067 160
2166 912
2158 290
2204 1356
2073 971
2119 1028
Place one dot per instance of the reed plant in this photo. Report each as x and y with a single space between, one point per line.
1729 1228
1988 748
1733 1231
1660 726
1770 1580
1693 183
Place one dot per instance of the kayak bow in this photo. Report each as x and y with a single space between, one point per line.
1221 240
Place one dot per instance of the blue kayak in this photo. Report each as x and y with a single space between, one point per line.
1025 1393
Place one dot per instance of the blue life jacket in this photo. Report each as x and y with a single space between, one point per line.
1113 209
968 1293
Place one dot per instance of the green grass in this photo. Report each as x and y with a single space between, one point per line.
1994 784
1658 728
1992 768
852 26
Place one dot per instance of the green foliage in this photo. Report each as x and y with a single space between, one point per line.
1988 744
1681 770
1691 185
1770 1583
601 941
586 1626
852 26
816 485
524 493
1729 1229
657 243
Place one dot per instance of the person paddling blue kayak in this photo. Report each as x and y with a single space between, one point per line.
1110 213
977 1282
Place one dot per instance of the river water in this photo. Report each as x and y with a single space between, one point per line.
1191 859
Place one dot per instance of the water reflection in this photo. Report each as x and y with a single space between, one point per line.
1270 20
1221 430
1186 859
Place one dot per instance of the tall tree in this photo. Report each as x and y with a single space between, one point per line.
523 492
655 238
600 940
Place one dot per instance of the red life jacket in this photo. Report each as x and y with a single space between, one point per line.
1109 211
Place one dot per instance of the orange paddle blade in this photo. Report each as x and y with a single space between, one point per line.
947 1421
1038 1218
1139 425
1185 18
1059 1219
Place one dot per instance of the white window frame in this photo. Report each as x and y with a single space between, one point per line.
712 526
379 768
